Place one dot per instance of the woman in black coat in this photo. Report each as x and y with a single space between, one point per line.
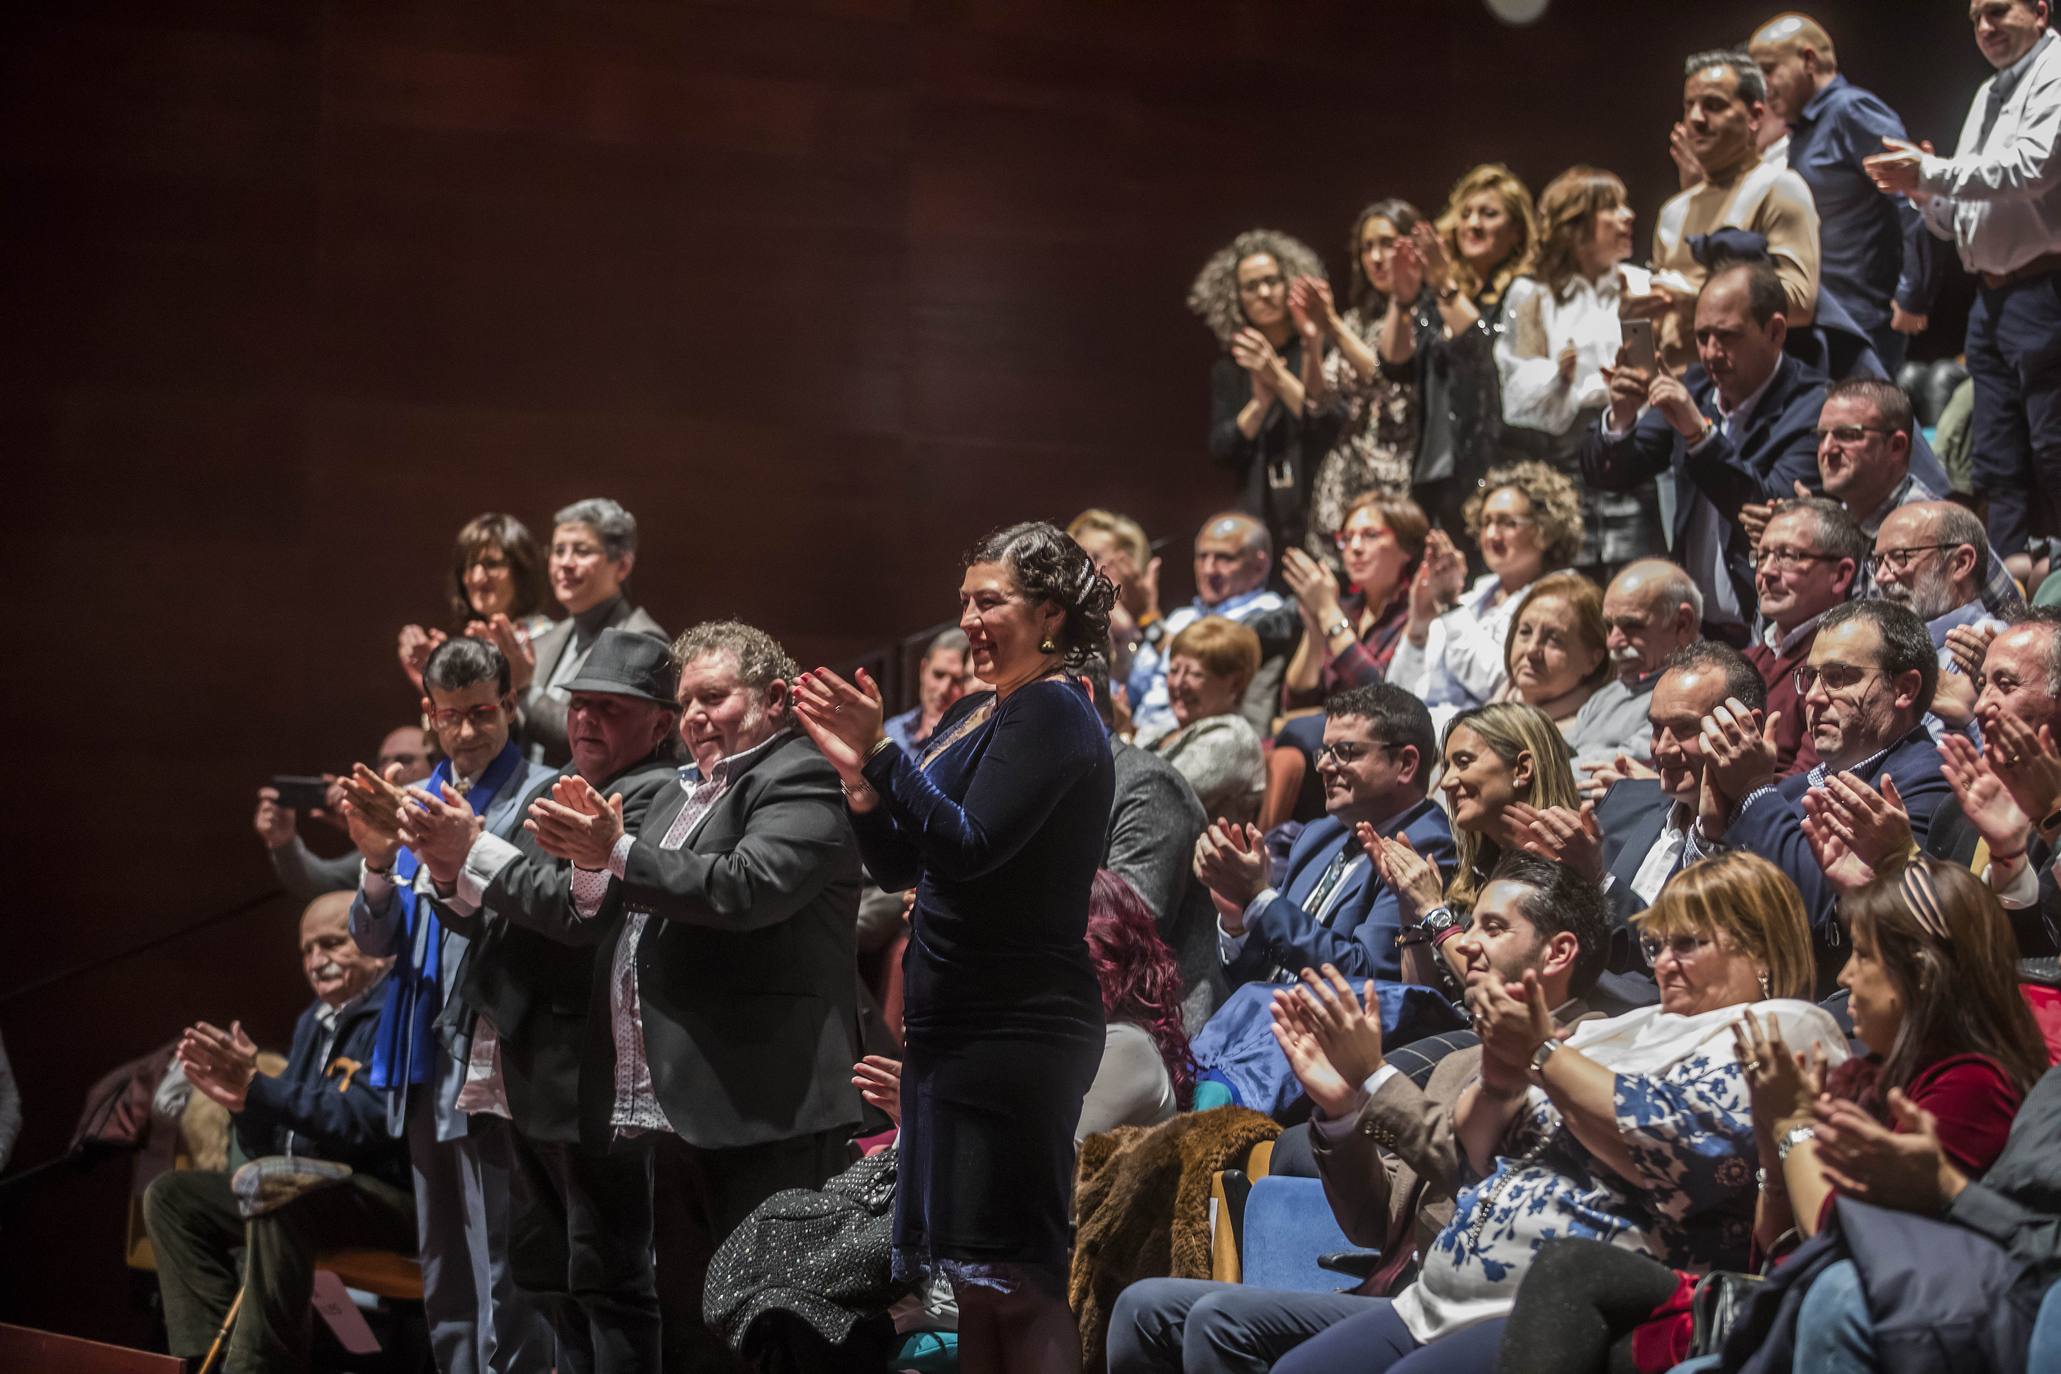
999 827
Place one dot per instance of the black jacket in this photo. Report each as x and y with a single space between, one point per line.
532 990
327 1101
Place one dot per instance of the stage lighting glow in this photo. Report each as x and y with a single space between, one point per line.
1518 12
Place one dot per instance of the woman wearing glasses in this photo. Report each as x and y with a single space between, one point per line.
497 574
1259 385
1933 992
1528 521
1635 1129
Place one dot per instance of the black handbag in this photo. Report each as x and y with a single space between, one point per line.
1714 1304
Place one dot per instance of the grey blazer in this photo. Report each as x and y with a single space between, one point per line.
1154 821
541 726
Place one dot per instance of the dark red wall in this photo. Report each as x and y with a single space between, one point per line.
820 291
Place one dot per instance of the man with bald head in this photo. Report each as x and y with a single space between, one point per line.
322 1106
1739 427
1233 555
1650 610
1875 257
2021 679
1930 557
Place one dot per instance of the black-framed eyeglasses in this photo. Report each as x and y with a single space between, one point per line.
1783 559
1259 284
1850 434
1837 677
1351 751
1899 561
1684 947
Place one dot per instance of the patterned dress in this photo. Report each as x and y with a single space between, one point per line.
1376 442
1685 1115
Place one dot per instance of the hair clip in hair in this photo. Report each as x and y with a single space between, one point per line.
1922 899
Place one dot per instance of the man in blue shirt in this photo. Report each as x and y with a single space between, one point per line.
1875 257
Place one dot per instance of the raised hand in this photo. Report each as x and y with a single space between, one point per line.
1251 351
1507 1017
2027 763
1906 1169
879 1081
509 637
1304 310
1688 167
1896 170
1969 644
273 822
1844 869
1294 1030
1431 252
1603 776
843 718
1314 586
1874 824
1783 1084
1985 801
415 646
1413 878
441 830
220 1064
1232 862
1739 749
1574 838
377 799
1406 274
1347 1025
1667 395
576 824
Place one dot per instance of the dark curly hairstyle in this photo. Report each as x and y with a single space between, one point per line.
1140 983
1049 566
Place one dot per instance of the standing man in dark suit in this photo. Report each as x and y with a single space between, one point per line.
1331 906
723 927
1866 689
593 549
582 1233
1740 426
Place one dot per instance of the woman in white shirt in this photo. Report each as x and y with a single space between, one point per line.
1527 519
1560 331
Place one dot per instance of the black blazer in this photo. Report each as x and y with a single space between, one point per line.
745 970
2038 927
1779 449
532 989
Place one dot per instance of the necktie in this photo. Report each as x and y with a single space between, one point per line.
1328 881
1999 92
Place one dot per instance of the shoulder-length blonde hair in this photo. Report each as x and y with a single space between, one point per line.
1511 730
1582 596
1746 902
1516 198
1555 504
1214 294
1568 208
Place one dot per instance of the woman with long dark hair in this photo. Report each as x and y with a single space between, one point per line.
999 827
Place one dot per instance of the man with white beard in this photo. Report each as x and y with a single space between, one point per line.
1650 610
1931 558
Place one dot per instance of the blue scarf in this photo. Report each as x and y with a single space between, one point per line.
401 1047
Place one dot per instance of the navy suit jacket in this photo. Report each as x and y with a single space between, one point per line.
1772 826
1360 936
1632 814
1778 449
331 1107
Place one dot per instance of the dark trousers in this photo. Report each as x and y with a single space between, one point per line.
700 1197
1194 1326
1377 1342
2014 357
581 1248
194 1228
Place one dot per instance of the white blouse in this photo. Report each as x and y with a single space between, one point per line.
1540 324
1461 663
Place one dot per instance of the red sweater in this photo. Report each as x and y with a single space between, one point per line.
1794 751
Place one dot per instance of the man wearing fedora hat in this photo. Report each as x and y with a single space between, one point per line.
583 1229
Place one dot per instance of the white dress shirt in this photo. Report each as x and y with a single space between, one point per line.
1999 198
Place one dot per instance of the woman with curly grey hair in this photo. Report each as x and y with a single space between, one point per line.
1527 519
1259 386
999 827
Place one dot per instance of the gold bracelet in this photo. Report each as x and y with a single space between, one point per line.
883 742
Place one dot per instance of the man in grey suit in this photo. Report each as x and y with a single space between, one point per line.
593 549
462 1165
1385 1147
724 934
1154 821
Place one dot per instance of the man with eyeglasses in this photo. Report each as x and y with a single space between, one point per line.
1738 428
1331 906
1233 555
1811 558
1929 557
462 1167
1866 687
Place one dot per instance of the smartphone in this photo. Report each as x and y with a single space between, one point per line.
1640 350
300 793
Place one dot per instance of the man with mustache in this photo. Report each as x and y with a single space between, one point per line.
1650 610
322 1106
1233 555
1930 558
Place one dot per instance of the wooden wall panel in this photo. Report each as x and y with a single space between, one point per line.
820 288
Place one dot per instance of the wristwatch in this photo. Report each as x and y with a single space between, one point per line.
1548 1047
1435 922
1340 626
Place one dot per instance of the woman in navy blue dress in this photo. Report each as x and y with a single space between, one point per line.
999 827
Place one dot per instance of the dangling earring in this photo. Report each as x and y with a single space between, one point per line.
1765 991
1046 646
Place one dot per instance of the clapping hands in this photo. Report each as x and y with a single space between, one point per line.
1232 862
1331 1037
576 824
441 830
1574 838
219 1064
